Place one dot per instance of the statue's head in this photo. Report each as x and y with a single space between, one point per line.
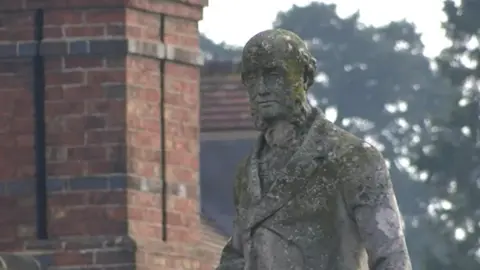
277 69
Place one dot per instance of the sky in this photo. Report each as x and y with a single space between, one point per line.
225 20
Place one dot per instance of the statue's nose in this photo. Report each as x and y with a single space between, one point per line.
263 94
262 90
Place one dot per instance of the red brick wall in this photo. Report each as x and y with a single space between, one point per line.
16 153
110 70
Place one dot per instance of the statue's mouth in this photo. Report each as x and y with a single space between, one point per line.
267 102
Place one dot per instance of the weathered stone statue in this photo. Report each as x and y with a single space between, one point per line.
310 196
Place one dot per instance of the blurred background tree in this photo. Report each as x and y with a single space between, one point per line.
222 51
449 157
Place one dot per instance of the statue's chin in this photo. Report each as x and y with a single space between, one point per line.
272 118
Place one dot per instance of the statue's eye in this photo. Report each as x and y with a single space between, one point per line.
272 79
274 71
248 76
271 71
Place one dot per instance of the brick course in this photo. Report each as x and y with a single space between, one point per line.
224 98
121 115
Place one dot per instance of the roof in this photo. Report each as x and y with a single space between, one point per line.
223 98
218 163
224 107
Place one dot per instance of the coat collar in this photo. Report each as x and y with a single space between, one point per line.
318 147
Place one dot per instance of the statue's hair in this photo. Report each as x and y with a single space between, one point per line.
310 68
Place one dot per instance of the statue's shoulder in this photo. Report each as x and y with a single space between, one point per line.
352 150
242 164
361 170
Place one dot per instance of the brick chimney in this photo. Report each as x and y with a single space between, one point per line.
121 127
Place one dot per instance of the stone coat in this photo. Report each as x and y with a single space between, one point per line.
332 207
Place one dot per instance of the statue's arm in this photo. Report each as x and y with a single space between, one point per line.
373 206
232 254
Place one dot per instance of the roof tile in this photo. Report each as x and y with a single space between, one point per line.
224 102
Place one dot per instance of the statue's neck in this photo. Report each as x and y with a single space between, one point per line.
280 133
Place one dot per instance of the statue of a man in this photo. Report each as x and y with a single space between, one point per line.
310 196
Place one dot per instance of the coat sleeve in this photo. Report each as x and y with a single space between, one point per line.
372 204
232 254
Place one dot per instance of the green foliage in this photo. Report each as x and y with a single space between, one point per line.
451 154
366 67
463 29
220 51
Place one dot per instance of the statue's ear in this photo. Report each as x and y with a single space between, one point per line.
308 77
243 77
309 70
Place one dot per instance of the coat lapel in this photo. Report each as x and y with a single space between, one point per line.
312 155
253 166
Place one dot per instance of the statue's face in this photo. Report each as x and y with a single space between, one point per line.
268 91
274 69
272 86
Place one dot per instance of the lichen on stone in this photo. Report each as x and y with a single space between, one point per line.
280 49
310 195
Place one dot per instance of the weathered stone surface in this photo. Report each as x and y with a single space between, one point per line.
310 195
10 261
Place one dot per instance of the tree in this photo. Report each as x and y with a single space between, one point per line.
214 51
450 158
